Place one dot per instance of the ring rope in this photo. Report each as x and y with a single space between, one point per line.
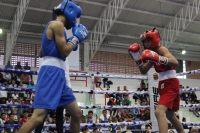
84 124
98 106
78 91
95 75
188 72
82 107
75 74
97 91
100 124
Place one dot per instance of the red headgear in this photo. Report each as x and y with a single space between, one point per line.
153 35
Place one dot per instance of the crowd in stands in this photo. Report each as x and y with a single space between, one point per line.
190 98
22 115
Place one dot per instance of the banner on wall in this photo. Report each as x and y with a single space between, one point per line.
153 96
73 57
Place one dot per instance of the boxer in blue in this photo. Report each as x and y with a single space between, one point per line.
51 89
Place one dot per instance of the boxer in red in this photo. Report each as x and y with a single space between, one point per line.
168 87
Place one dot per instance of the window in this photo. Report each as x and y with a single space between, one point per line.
25 52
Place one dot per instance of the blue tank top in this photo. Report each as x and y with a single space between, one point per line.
49 47
89 121
105 120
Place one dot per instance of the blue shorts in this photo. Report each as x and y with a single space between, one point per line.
51 89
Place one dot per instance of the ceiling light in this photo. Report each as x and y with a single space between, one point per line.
1 31
183 52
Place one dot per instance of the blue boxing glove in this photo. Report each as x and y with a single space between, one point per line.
75 48
80 33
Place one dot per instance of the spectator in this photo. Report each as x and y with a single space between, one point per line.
32 84
95 130
143 85
7 77
97 80
8 66
146 116
111 103
138 118
5 84
184 120
136 97
194 130
3 118
15 95
142 110
119 96
90 117
18 66
31 101
27 67
126 90
67 121
83 120
105 82
2 80
171 131
15 116
25 117
67 118
15 78
32 95
194 97
11 121
104 117
26 95
126 101
85 130
9 101
25 78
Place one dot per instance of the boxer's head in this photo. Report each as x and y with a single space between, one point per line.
150 39
70 10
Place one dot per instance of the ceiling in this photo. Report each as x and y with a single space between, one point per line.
117 23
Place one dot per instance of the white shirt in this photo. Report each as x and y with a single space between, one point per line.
3 94
102 117
7 102
15 96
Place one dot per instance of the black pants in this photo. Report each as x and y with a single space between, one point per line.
59 121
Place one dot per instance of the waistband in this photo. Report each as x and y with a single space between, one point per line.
167 75
53 61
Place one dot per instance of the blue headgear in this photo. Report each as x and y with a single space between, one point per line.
71 11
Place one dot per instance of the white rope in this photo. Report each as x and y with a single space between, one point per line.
84 124
107 76
82 107
188 72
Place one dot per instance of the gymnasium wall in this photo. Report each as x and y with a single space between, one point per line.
192 65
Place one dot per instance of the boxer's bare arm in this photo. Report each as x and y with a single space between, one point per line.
144 68
56 31
172 61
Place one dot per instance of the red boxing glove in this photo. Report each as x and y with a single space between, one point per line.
153 56
134 51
